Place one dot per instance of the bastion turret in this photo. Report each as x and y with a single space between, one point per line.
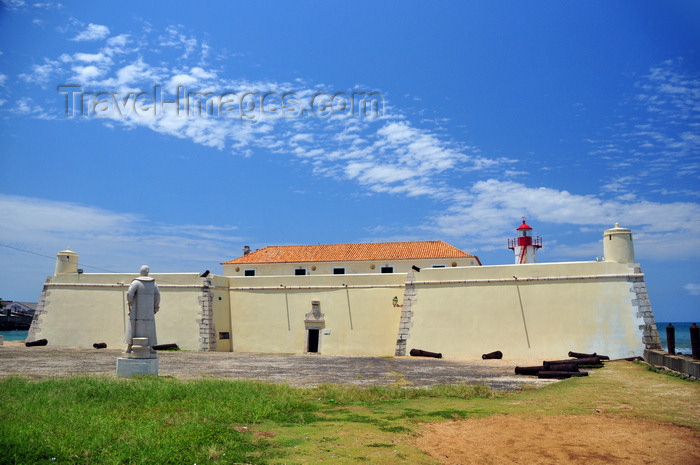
66 262
617 245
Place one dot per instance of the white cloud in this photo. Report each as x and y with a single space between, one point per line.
86 75
662 230
92 58
118 41
104 240
27 106
41 74
92 32
692 288
665 143
112 240
176 39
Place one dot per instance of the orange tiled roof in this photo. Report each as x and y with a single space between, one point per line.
352 252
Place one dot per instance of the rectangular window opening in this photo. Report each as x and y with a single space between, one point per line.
338 270
387 269
249 272
300 272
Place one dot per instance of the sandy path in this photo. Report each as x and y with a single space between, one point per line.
589 440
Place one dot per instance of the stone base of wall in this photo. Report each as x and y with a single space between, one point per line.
684 365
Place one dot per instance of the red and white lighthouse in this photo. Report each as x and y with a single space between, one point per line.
525 245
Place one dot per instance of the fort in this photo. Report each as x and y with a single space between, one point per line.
381 299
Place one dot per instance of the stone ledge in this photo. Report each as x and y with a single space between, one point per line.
127 367
684 365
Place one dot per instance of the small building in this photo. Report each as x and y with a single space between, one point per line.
370 258
16 315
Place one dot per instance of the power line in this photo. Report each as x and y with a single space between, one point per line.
54 258
81 264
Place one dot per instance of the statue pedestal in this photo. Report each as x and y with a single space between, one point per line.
142 360
127 367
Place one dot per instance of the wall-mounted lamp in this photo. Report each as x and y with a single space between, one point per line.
395 301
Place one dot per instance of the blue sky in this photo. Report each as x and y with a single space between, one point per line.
575 115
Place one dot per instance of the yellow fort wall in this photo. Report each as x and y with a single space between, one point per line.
547 311
78 310
268 313
525 311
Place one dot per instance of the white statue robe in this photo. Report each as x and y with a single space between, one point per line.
144 301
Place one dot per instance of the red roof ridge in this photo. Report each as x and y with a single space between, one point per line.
364 251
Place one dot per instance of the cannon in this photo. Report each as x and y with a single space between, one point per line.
424 353
37 343
595 361
497 355
560 366
529 371
554 367
560 374
100 345
166 347
580 355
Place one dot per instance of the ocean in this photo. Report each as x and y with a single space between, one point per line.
682 336
17 335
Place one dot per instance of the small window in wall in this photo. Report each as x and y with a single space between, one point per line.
386 269
225 335
338 270
300 272
249 272
442 265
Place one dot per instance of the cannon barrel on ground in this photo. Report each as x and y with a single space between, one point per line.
561 366
560 374
166 347
579 361
529 371
496 355
424 353
582 355
37 343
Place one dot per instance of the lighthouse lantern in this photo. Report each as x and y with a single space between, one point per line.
525 245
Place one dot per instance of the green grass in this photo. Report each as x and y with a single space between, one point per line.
162 420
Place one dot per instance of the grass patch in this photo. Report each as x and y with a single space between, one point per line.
163 420
146 420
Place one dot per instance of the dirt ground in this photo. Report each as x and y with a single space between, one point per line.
296 370
589 440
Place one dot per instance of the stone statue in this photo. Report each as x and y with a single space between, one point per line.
144 301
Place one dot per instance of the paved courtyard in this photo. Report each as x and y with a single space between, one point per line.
296 370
